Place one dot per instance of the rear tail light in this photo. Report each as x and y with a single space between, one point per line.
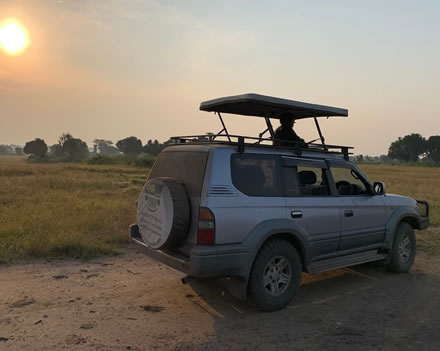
206 228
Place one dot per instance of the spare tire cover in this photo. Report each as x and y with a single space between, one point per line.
163 213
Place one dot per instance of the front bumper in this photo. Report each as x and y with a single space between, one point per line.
423 221
203 262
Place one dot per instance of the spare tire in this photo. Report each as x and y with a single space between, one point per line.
163 213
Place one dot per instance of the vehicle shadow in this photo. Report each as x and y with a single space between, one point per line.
363 306
215 292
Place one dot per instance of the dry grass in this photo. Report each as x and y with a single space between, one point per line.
429 240
421 183
65 210
73 210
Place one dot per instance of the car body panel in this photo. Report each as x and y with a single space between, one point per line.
244 223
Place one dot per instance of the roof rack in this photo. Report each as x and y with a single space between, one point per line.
246 141
269 108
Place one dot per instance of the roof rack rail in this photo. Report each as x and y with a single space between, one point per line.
242 141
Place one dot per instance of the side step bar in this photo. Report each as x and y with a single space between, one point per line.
345 261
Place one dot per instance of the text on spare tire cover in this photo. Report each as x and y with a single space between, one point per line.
155 213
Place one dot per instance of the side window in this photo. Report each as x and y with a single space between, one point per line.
348 181
256 175
312 181
290 180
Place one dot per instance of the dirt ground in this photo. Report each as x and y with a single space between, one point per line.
131 302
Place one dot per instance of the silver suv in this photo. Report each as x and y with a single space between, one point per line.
221 205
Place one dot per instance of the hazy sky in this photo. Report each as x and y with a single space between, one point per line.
112 69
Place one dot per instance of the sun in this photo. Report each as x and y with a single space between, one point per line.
14 37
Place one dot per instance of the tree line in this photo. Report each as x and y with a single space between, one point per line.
413 147
11 150
72 149
410 148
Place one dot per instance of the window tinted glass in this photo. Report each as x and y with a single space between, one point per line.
256 175
290 181
312 181
348 182
188 168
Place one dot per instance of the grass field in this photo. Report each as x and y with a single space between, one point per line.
65 209
421 183
75 210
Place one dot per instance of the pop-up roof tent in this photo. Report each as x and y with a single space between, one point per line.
269 108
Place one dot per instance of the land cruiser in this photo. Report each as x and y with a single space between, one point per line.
223 205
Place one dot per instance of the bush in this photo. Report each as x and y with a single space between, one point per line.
42 159
100 159
143 161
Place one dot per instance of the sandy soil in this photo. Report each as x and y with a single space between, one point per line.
130 302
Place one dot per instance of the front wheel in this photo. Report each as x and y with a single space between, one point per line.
403 251
275 275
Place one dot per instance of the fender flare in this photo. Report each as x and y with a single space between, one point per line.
276 227
394 220
286 228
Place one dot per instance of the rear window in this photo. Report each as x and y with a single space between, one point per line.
256 175
188 168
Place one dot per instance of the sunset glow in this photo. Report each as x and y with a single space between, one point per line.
13 37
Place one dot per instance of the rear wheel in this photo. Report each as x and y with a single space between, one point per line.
275 275
403 251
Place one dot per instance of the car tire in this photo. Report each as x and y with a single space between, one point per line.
163 213
403 251
275 275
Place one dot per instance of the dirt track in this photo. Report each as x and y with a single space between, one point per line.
133 303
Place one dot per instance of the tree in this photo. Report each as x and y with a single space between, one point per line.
6 150
105 147
19 151
397 150
36 147
56 150
63 138
408 148
75 149
154 148
130 146
433 148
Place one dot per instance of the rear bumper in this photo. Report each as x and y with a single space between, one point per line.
203 262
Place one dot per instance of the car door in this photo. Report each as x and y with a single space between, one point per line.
310 204
362 212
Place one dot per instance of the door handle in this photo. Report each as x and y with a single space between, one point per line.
348 213
296 214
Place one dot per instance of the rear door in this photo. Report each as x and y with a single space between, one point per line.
309 203
243 195
187 166
362 212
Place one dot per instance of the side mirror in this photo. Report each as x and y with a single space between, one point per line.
379 188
